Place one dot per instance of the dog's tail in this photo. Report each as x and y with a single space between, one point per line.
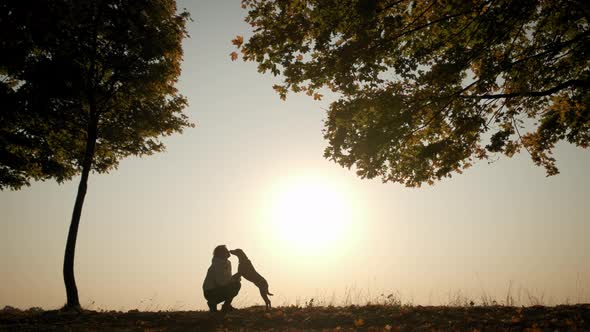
269 293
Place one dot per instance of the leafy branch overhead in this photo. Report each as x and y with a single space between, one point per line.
428 87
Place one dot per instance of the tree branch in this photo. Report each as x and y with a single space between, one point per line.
391 5
566 84
551 48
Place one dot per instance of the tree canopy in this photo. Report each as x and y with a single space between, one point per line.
66 64
426 88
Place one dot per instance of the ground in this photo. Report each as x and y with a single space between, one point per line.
311 318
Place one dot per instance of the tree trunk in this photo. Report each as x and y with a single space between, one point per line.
68 270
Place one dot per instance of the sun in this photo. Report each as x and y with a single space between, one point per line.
311 214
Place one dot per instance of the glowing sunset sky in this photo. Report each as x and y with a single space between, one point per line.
251 175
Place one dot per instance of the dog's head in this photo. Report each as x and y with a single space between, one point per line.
239 253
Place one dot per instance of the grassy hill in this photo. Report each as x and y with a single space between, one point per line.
362 318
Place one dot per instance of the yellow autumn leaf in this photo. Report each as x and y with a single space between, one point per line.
234 56
359 322
238 41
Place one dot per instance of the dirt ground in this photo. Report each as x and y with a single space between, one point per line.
352 318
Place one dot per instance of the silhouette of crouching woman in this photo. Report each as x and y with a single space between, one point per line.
219 285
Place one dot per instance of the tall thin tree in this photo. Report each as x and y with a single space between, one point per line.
86 83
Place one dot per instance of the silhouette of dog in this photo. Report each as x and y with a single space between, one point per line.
246 270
